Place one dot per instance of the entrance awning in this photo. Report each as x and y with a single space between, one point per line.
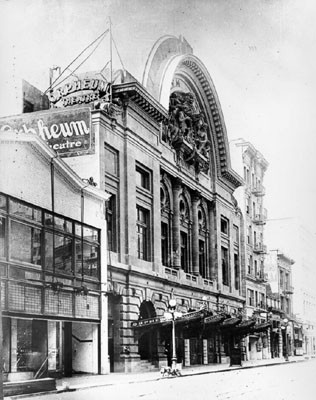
144 323
261 327
244 326
214 319
191 317
229 323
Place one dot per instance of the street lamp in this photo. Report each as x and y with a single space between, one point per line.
172 315
286 355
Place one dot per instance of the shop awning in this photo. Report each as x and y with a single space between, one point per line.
214 319
261 327
229 322
244 326
194 316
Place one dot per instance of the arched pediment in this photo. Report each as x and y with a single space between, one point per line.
172 74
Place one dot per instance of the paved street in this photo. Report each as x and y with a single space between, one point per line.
279 382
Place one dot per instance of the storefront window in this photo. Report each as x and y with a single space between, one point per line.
25 243
89 259
63 252
22 210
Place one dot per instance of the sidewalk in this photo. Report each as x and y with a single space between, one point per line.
85 381
88 381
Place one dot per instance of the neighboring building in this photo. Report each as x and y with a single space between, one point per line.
21 97
292 236
286 336
250 163
53 263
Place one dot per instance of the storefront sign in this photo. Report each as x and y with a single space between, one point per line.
146 322
79 91
68 132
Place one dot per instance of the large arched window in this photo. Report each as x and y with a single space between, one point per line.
203 242
166 222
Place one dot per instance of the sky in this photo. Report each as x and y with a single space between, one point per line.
260 54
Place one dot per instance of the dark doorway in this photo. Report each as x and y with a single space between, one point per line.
67 348
147 342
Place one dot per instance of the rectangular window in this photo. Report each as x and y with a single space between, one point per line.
224 225
236 271
262 302
110 161
25 242
142 233
281 279
24 211
250 297
202 258
111 223
164 244
225 266
248 205
87 260
142 178
236 234
62 252
184 251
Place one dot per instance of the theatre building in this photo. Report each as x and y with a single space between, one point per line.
174 227
52 260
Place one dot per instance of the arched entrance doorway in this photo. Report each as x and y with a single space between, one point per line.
147 341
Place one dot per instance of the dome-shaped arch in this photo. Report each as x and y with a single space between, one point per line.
185 205
166 198
168 61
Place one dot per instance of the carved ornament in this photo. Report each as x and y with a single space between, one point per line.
187 132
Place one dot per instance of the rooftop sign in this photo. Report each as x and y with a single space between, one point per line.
80 91
68 132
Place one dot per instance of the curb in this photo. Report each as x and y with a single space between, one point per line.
153 379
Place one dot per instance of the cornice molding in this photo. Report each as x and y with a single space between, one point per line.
136 93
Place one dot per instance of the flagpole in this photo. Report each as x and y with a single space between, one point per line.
111 66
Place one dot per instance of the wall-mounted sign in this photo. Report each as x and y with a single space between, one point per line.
68 132
80 91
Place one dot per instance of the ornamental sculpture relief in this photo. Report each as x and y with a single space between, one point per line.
187 132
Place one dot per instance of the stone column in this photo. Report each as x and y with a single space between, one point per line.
176 262
280 344
243 351
205 354
269 342
195 234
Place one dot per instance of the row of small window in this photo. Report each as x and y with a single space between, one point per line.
22 211
254 180
254 239
226 269
254 268
143 175
256 299
27 242
225 229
